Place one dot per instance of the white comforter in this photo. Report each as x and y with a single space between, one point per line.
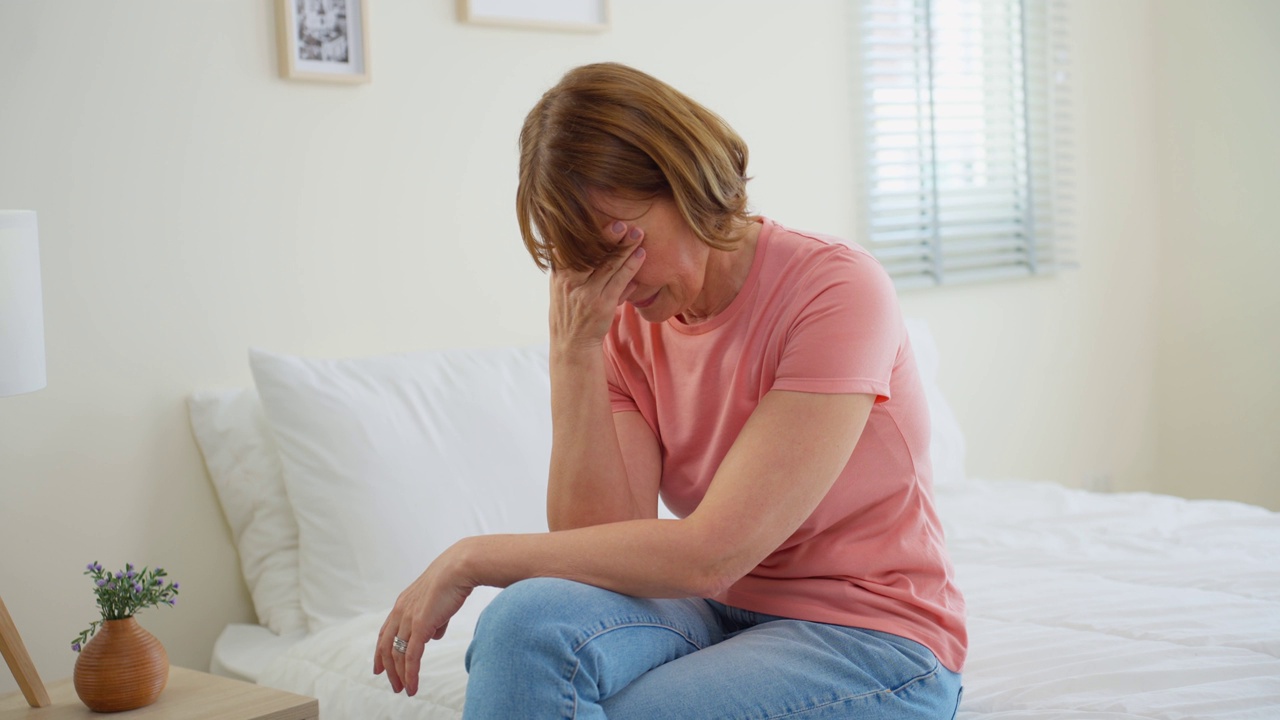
1115 606
1081 605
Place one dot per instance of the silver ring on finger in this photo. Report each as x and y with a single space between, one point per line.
399 645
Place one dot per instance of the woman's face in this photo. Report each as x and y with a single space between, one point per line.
673 276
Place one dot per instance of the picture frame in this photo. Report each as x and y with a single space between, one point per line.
566 15
324 40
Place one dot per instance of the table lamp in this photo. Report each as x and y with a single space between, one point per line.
21 371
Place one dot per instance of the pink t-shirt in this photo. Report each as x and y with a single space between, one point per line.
815 315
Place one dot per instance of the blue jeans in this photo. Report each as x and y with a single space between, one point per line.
548 648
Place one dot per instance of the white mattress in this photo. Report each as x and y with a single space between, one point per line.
1081 605
1115 606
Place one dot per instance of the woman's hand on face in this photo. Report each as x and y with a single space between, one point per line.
583 302
421 614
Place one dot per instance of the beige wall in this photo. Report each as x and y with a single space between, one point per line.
1218 374
192 204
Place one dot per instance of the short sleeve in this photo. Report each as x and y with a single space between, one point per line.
628 385
847 331
620 397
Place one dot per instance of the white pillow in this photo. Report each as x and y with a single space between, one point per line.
946 446
245 468
389 460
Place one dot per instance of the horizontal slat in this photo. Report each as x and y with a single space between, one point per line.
955 196
1048 232
985 263
889 157
924 278
969 44
955 220
892 208
957 237
1008 226
908 248
903 253
901 237
950 240
971 250
915 130
942 183
915 144
889 162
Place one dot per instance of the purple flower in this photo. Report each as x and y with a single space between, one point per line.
89 566
172 601
101 582
137 587
119 575
75 647
111 586
131 574
175 586
159 581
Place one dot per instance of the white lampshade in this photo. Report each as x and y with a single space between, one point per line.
21 307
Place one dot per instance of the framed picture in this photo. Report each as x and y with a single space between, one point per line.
324 40
573 15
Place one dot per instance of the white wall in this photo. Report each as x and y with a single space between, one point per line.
192 203
1219 157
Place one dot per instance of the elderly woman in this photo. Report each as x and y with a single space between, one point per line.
756 378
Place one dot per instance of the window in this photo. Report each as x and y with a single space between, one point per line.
964 126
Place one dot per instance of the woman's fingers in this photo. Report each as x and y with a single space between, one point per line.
617 286
412 663
388 654
406 634
622 267
421 614
385 657
378 666
583 303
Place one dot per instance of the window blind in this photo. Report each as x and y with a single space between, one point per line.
965 127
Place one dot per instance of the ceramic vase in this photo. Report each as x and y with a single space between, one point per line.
123 667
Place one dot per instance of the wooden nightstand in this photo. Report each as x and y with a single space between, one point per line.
190 695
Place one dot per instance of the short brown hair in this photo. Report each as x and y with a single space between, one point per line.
611 128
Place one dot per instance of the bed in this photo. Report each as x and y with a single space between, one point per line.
1081 604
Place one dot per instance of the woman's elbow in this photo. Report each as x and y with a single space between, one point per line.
713 584
712 572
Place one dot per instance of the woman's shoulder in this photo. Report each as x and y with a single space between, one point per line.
804 257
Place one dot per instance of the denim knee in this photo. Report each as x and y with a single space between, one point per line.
535 615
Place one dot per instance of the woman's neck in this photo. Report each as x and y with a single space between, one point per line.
727 272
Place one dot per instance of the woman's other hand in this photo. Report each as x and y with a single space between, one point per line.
583 302
421 614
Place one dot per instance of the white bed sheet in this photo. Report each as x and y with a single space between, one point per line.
1081 605
243 651
1115 606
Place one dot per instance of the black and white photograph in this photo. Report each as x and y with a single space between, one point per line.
324 40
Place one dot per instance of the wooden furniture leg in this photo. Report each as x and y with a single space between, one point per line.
15 654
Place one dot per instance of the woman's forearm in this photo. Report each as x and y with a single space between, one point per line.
588 477
642 558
